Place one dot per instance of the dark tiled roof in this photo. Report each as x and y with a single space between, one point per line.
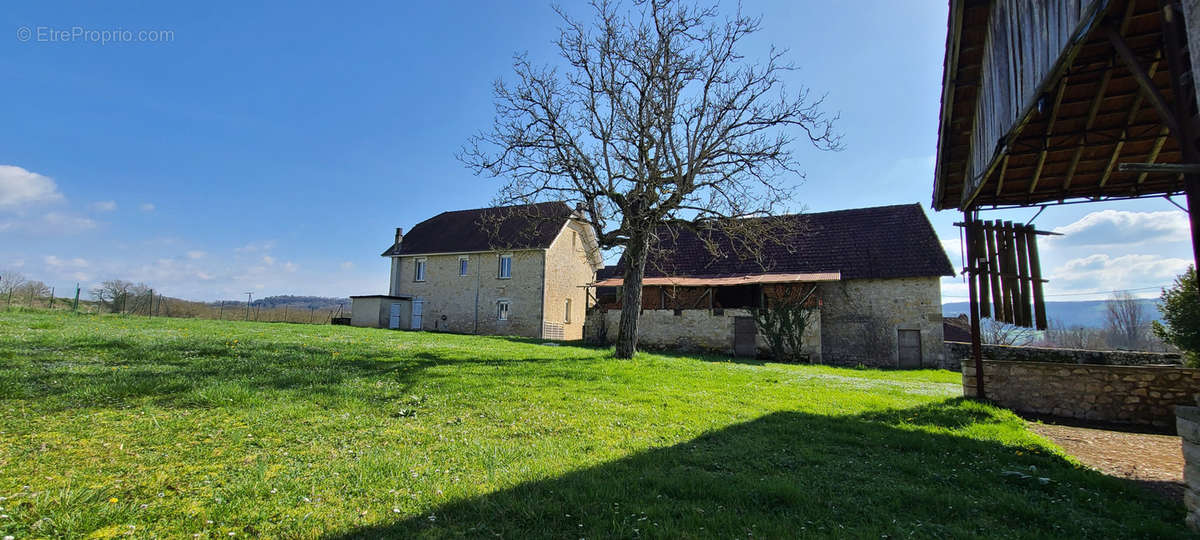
882 242
529 226
609 271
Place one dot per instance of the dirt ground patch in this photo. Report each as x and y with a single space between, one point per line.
1155 461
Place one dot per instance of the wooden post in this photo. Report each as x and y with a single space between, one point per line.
976 338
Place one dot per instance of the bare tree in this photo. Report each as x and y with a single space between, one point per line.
118 295
657 120
1125 321
1073 337
10 282
995 332
32 290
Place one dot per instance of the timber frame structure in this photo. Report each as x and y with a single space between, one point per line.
1049 102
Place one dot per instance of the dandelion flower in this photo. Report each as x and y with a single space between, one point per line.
112 500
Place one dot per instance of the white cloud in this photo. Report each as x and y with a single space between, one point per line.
19 187
55 262
67 223
290 266
268 259
1102 272
1114 227
196 254
347 265
103 206
258 246
146 207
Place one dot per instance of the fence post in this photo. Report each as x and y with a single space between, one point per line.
51 297
75 305
150 308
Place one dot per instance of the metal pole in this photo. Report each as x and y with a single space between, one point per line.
249 295
75 304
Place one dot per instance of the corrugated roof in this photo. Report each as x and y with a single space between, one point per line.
528 226
881 242
752 279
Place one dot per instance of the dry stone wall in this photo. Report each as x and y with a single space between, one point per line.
1136 395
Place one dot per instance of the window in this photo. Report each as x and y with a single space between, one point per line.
567 312
505 266
502 310
419 270
574 239
463 266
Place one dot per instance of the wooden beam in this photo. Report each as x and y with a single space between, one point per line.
1154 151
1137 106
1170 168
1035 272
1147 85
1087 127
1037 171
1000 182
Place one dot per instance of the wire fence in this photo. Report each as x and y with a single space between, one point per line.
150 303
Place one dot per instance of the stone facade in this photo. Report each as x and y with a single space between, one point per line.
1136 395
567 274
857 323
690 330
541 282
1187 424
861 319
957 353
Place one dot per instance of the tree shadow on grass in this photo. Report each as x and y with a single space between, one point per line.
105 371
897 473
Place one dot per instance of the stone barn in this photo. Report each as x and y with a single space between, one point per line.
875 274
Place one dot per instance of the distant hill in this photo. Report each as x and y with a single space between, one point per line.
295 302
1088 313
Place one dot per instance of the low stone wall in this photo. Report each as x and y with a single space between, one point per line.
1187 424
958 352
1136 395
688 330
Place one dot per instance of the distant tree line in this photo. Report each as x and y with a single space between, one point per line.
1127 326
118 296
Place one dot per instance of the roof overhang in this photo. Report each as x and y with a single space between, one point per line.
726 281
1039 107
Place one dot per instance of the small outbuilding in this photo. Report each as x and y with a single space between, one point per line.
381 311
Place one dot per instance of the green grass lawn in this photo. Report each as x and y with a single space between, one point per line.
114 426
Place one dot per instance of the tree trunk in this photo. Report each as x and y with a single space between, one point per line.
631 295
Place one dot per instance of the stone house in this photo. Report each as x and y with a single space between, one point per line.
876 274
516 270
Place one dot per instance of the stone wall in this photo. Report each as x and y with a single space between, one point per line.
567 271
1136 395
957 352
450 299
1187 424
690 330
861 319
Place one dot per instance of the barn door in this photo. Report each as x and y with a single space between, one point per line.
745 333
909 351
417 309
394 316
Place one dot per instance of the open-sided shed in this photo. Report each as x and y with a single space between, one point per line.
1062 101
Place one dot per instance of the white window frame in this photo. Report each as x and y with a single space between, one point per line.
419 268
464 265
500 266
567 312
503 310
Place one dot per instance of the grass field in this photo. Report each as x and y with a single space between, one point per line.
113 426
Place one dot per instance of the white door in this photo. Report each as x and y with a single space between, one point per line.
394 319
418 307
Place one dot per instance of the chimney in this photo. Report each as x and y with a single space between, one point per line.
399 234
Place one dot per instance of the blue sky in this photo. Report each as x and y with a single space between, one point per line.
273 148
